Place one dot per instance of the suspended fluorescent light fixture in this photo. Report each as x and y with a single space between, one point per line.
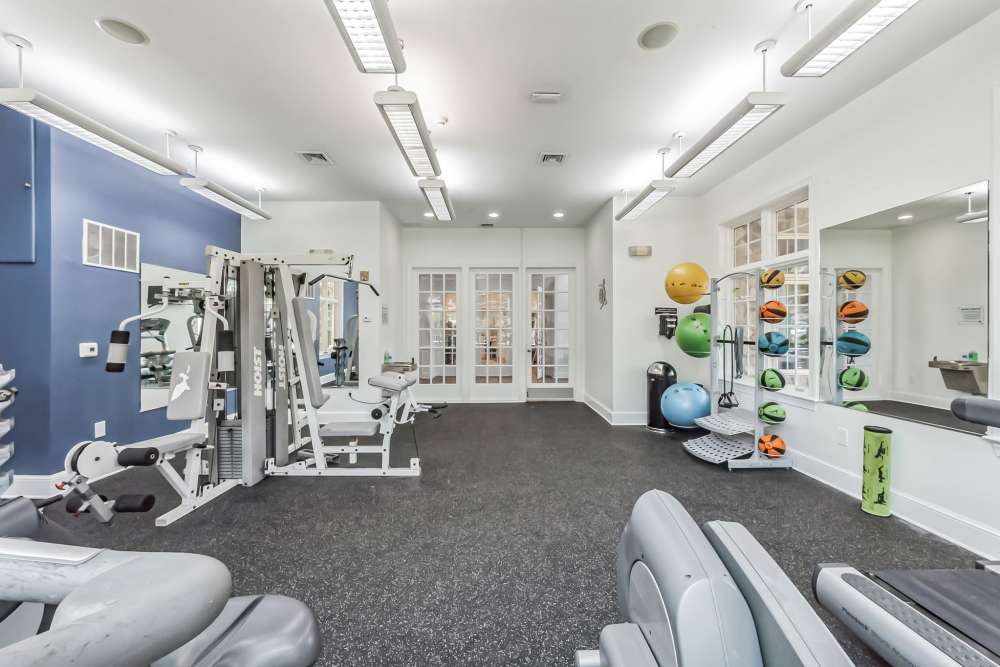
752 110
848 32
401 112
44 109
220 195
436 194
369 34
650 196
972 217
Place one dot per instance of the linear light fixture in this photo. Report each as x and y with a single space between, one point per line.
646 199
848 32
46 110
436 194
748 114
224 197
401 112
369 34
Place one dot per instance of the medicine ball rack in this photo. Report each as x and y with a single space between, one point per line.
733 433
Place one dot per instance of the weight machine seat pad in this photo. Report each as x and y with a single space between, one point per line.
394 382
253 631
622 645
348 429
964 599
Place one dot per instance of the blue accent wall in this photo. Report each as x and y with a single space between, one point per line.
25 322
85 303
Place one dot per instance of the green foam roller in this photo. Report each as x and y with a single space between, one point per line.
875 476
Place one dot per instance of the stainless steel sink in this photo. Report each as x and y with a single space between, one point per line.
971 377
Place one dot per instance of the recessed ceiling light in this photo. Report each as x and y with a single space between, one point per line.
428 214
123 31
657 35
558 215
493 214
905 216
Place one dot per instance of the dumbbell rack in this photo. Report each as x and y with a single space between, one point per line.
733 433
8 392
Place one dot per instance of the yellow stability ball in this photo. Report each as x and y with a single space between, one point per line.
686 283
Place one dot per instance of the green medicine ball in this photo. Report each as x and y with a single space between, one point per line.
853 379
771 413
856 405
772 380
694 335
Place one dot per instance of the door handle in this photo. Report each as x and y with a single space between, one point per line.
27 185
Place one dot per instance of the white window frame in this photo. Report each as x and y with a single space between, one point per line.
770 259
88 224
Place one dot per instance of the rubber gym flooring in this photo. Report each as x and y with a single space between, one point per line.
503 552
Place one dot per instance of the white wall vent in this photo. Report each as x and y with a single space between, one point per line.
110 247
551 159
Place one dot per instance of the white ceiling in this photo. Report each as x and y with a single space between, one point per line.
253 82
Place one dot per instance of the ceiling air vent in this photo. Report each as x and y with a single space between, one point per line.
551 159
487 225
316 158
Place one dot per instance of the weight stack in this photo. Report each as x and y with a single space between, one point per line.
229 450
875 475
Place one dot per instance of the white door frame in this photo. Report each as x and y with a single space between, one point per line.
437 392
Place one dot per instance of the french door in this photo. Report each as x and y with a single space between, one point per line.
493 364
550 367
438 331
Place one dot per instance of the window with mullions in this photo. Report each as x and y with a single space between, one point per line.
791 228
746 243
760 244
437 327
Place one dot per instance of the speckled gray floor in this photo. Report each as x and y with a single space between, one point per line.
503 552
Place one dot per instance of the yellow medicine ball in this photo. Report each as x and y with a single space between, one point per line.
686 283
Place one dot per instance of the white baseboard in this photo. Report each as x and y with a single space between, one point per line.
628 418
598 407
960 530
36 486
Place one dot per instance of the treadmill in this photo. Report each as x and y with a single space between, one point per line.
922 617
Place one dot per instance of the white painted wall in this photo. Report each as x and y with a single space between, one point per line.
346 227
677 233
391 285
893 145
599 350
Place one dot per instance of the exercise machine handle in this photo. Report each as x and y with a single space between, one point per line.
138 456
129 503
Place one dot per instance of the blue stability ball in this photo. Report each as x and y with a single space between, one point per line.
681 404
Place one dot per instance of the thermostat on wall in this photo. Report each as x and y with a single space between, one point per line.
640 251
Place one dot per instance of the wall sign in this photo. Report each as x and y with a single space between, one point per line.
971 315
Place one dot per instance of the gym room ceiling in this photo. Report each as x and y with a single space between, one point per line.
254 87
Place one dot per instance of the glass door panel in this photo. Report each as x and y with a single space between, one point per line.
549 331
437 327
493 319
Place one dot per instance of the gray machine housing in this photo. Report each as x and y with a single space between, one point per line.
705 597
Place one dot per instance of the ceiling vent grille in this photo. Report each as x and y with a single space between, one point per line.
551 159
487 225
316 158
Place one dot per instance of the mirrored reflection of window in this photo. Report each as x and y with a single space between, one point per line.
494 328
437 327
791 226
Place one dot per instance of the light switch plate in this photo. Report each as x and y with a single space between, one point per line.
100 429
842 436
88 350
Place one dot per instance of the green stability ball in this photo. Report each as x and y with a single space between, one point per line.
694 335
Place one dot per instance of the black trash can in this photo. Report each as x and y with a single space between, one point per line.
659 376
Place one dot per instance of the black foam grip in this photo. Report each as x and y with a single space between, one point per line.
74 501
134 503
138 456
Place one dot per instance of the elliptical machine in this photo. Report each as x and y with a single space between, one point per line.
65 604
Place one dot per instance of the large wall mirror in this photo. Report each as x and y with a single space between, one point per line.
905 308
335 306
165 332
